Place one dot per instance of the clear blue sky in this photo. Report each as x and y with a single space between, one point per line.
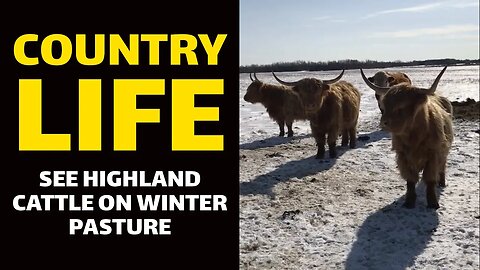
385 30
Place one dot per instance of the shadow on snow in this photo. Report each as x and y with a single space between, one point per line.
392 237
263 184
272 141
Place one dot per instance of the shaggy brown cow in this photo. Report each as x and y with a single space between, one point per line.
283 105
332 106
422 134
388 79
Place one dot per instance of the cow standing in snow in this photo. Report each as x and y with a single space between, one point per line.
283 105
422 134
332 106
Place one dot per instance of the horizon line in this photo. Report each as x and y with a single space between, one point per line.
366 60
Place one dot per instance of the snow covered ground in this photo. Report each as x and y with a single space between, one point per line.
297 212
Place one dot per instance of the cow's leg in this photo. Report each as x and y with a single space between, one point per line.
430 177
319 136
411 177
289 127
345 137
411 195
353 137
281 124
441 180
320 140
332 142
432 201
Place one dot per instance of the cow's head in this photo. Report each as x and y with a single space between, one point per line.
311 91
401 103
253 94
382 78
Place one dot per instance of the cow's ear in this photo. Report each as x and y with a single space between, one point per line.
325 86
390 79
371 79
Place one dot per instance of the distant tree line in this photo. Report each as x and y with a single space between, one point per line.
350 64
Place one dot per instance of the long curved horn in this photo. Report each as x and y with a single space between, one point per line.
379 90
251 77
334 80
255 76
432 88
283 82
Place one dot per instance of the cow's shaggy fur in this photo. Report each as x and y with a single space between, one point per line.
421 126
282 104
332 109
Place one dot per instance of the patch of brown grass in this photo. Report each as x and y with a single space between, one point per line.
468 109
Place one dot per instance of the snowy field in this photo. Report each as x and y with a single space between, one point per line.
297 212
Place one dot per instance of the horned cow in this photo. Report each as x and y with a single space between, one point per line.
422 134
388 79
283 105
332 107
